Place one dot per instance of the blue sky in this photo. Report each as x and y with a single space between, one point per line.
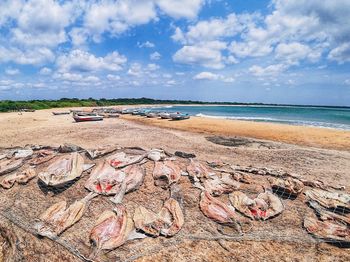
278 51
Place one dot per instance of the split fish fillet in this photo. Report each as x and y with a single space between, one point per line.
167 222
111 230
121 159
218 186
101 151
105 180
331 200
20 178
166 173
264 206
287 186
9 165
42 156
216 210
63 169
58 217
197 169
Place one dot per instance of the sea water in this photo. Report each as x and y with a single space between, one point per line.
327 117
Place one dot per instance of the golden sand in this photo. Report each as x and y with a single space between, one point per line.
300 135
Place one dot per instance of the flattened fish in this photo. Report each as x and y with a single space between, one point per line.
101 151
156 154
134 176
264 206
286 187
167 222
105 180
166 173
330 230
58 217
121 159
42 156
23 153
197 169
218 186
9 165
111 230
216 210
63 169
20 178
330 200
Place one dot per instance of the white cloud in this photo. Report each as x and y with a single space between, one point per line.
211 76
292 53
271 70
347 82
32 56
206 76
78 60
155 56
205 54
180 8
147 44
12 71
341 54
113 77
135 70
45 71
152 67
75 77
170 82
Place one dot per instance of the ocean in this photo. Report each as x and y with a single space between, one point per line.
326 117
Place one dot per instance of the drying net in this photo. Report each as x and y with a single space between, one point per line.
313 215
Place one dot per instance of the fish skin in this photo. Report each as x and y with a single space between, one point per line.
57 218
105 180
21 178
9 165
215 209
111 230
166 173
167 222
329 199
264 206
62 170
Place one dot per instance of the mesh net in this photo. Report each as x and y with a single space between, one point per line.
313 213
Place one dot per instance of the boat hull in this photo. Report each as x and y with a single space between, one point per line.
87 118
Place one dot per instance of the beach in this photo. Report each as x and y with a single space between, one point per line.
313 153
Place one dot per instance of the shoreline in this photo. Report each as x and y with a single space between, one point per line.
327 138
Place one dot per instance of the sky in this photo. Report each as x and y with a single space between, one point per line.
277 51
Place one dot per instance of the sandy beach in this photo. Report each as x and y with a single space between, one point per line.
313 153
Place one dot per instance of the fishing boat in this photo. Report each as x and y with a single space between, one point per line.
179 116
164 115
60 113
87 117
152 114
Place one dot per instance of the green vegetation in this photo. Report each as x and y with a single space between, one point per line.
8 105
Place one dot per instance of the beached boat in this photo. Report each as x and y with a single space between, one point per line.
88 117
179 116
60 113
152 114
164 115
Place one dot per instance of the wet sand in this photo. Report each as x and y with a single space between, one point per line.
280 239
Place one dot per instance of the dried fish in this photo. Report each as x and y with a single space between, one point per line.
330 229
134 176
156 154
198 170
218 186
63 169
216 210
69 148
23 153
42 156
332 200
20 178
58 217
120 159
167 222
105 180
166 173
9 165
266 205
101 151
111 230
286 187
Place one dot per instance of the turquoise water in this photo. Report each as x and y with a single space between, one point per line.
338 118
